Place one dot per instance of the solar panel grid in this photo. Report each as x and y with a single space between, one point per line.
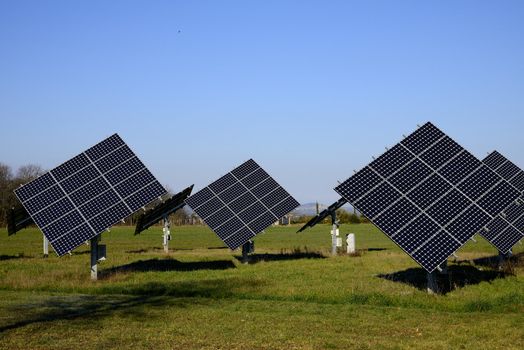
75 201
242 203
507 229
435 193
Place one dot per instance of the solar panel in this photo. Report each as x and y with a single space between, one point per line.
428 194
507 229
154 215
89 193
242 203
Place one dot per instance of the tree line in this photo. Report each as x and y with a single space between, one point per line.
9 181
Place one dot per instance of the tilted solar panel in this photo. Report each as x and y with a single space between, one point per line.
242 203
428 194
89 193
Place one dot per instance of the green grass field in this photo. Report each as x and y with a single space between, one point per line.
292 296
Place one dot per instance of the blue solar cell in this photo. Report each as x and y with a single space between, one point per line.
89 191
251 213
275 197
498 198
242 202
441 152
223 183
284 207
62 226
422 138
105 147
359 184
479 182
264 188
514 211
52 212
135 183
199 198
505 241
415 233
459 167
391 160
70 167
232 193
436 251
508 170
377 200
245 169
460 228
239 238
34 187
518 181
219 217
124 171
109 217
262 222
494 228
145 195
410 176
394 218
229 227
72 239
256 178
494 160
99 204
429 191
448 207
114 159
43 199
79 179
209 207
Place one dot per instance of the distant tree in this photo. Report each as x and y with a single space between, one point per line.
28 172
354 219
6 187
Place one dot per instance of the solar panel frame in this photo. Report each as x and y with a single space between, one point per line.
242 203
507 228
437 151
76 201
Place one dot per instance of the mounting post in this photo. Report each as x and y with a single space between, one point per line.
432 278
334 231
94 257
503 257
247 248
46 247
166 234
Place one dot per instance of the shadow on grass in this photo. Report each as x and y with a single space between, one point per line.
167 265
135 301
458 276
494 262
375 249
282 256
13 257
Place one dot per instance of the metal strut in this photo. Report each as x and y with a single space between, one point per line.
166 233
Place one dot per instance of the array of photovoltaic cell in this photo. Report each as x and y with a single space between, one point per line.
89 193
507 229
242 204
428 194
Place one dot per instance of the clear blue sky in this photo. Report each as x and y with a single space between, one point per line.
309 89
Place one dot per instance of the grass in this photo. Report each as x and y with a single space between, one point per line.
293 295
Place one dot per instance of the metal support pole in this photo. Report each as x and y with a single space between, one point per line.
432 283
503 257
245 252
166 234
46 247
334 230
94 257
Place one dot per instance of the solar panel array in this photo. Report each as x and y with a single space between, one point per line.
242 204
507 229
89 193
428 194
